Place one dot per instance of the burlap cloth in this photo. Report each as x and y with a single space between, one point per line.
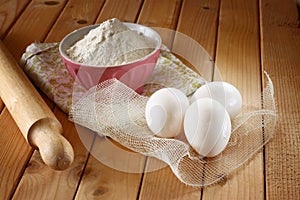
112 109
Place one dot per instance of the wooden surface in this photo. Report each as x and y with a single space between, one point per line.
33 116
242 37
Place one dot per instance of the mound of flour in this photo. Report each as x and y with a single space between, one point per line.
111 43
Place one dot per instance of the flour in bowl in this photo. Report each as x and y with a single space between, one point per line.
111 43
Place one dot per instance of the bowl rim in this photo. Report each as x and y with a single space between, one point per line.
90 27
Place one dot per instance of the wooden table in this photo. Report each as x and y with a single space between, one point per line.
243 37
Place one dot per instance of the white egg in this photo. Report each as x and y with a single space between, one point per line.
225 93
165 111
207 127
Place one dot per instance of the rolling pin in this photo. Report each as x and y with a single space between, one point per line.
34 118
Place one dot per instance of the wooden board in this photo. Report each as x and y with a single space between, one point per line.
110 169
280 58
75 15
200 32
32 21
100 181
9 11
42 177
163 181
161 13
238 60
1 105
241 40
162 16
41 182
13 160
127 10
24 24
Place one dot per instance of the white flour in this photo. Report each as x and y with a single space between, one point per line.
112 43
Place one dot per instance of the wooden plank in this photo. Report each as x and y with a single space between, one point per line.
9 11
99 180
56 184
111 173
14 153
1 105
163 184
16 41
165 14
199 20
33 25
238 59
280 58
76 14
202 18
160 13
198 43
161 16
41 182
126 11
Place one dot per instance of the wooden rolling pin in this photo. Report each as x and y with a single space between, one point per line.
34 118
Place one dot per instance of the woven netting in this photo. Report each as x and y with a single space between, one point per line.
112 109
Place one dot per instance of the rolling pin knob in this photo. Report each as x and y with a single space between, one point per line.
55 150
34 118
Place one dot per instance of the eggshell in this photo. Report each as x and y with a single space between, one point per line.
165 111
207 127
224 92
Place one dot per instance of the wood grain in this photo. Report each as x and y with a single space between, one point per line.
280 58
127 11
75 15
33 21
34 118
9 11
194 29
200 33
238 59
163 184
1 105
100 181
41 182
199 20
110 169
162 16
16 43
14 153
62 185
161 13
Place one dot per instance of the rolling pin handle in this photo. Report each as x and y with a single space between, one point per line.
55 150
34 118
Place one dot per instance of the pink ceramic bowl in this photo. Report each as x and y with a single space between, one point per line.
134 74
